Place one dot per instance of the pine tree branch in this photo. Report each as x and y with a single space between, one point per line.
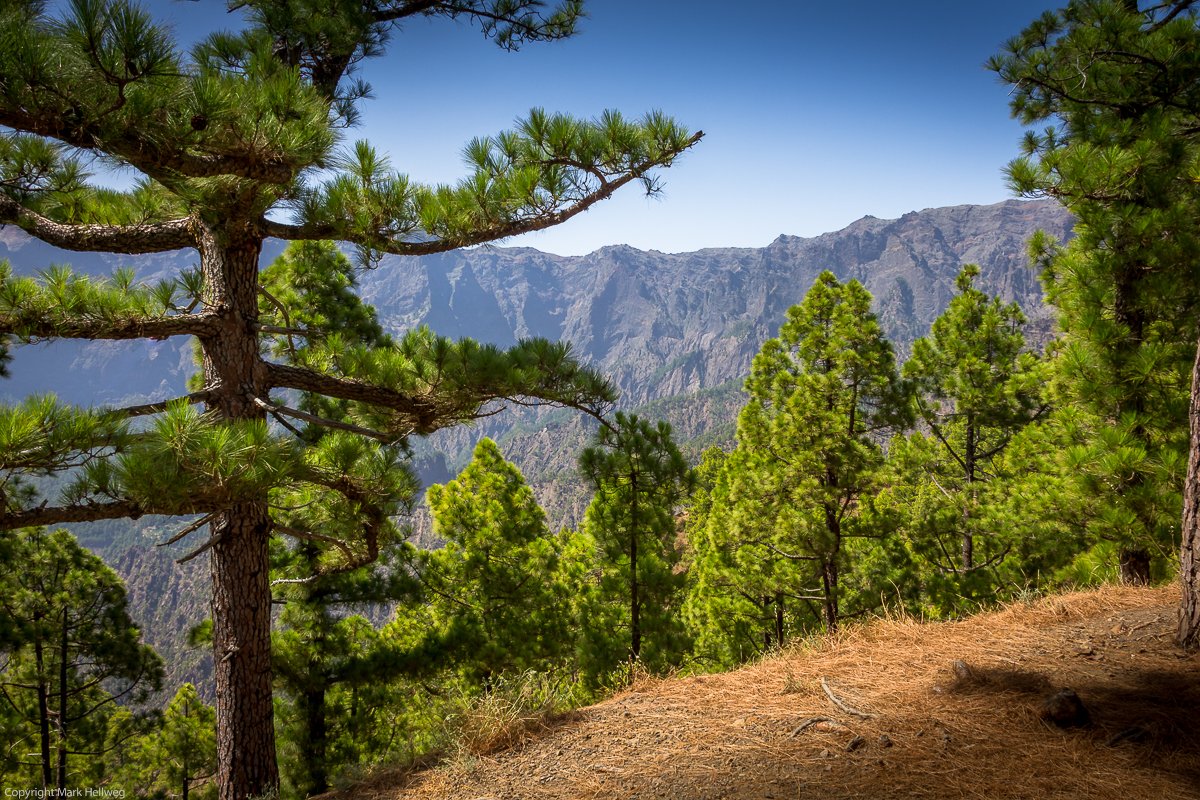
164 164
487 233
425 414
156 408
154 328
153 237
92 512
328 423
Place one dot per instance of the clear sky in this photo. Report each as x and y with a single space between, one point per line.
815 113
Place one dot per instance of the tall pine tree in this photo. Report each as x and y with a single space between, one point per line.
1120 82
808 455
633 613
229 143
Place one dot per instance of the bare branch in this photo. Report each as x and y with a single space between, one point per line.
211 542
833 698
314 537
189 529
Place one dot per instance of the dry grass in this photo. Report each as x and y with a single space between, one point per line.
517 709
728 736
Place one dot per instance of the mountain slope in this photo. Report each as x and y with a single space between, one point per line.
934 731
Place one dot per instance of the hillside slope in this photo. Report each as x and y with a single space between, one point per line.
731 735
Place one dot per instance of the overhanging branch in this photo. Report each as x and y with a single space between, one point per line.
152 237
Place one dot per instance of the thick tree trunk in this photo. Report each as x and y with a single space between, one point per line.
1189 554
1134 567
241 592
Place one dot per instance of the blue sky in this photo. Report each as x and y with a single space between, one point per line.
815 113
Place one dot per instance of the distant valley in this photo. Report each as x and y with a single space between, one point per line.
675 333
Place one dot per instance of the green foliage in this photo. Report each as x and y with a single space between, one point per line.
975 391
1123 157
800 485
499 571
74 655
631 611
178 757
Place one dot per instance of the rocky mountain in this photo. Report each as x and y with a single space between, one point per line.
667 324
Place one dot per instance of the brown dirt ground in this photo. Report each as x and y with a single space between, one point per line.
728 735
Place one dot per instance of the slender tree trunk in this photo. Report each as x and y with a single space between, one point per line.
635 622
767 602
43 713
62 706
1189 554
316 755
241 594
779 619
829 580
968 541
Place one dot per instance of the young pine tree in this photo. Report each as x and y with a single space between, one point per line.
1118 80
75 655
178 758
233 142
633 613
498 574
808 456
974 391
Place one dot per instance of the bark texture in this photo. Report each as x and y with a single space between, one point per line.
1189 554
236 376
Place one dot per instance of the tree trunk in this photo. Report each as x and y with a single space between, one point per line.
968 542
43 713
635 623
767 602
779 619
317 768
829 580
62 705
1189 554
1134 567
241 592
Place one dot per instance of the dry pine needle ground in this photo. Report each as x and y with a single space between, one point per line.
978 734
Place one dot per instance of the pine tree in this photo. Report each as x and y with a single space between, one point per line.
639 477
732 609
807 465
1121 81
76 653
178 758
498 574
223 138
974 390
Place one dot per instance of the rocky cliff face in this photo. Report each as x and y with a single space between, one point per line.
667 324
